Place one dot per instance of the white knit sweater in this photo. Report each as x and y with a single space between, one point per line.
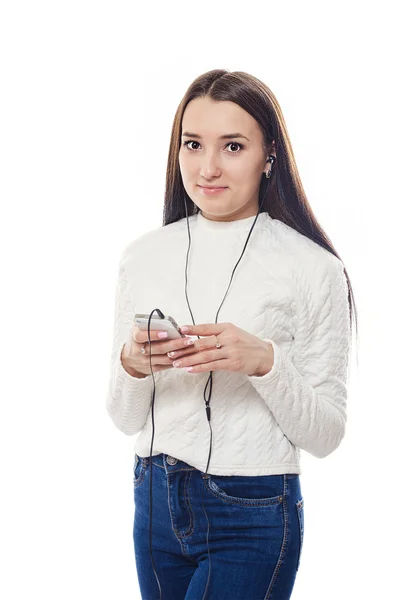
286 290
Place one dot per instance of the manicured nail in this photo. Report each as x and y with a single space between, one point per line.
185 329
162 334
188 368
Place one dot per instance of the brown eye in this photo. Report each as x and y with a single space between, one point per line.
190 142
236 144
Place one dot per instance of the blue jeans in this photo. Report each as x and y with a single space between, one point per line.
255 532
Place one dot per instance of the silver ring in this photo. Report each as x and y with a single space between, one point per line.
143 348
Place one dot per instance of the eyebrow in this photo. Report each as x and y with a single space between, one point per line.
227 136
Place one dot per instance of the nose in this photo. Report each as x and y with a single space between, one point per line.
209 166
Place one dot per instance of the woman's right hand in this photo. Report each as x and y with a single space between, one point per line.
138 364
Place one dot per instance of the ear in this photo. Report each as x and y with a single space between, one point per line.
271 151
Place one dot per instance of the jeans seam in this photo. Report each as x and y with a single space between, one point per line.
299 508
189 508
284 542
139 480
156 465
182 469
177 534
241 502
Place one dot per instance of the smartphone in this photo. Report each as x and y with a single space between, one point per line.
167 324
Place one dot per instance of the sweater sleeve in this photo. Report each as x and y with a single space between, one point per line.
128 398
307 393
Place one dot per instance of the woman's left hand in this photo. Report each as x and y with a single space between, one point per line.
240 351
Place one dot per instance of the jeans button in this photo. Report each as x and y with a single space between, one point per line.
171 460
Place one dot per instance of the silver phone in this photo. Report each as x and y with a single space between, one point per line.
167 324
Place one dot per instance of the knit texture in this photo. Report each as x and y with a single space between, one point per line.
286 290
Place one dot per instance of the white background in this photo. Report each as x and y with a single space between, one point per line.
88 94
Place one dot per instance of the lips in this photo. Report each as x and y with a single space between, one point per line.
213 187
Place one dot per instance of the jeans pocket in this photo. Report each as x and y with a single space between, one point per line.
260 490
301 519
140 467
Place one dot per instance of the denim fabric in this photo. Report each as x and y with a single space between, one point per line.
255 532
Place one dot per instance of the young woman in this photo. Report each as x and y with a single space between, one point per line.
224 484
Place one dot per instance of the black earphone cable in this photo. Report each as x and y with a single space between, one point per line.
209 381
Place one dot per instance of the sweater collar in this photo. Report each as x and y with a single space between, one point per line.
237 225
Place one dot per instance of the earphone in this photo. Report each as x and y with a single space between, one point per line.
268 173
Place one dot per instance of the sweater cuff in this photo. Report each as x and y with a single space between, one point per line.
274 371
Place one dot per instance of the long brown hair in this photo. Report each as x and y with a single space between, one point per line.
285 199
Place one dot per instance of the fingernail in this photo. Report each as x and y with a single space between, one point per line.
162 334
185 328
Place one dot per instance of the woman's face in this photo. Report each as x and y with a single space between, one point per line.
235 163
